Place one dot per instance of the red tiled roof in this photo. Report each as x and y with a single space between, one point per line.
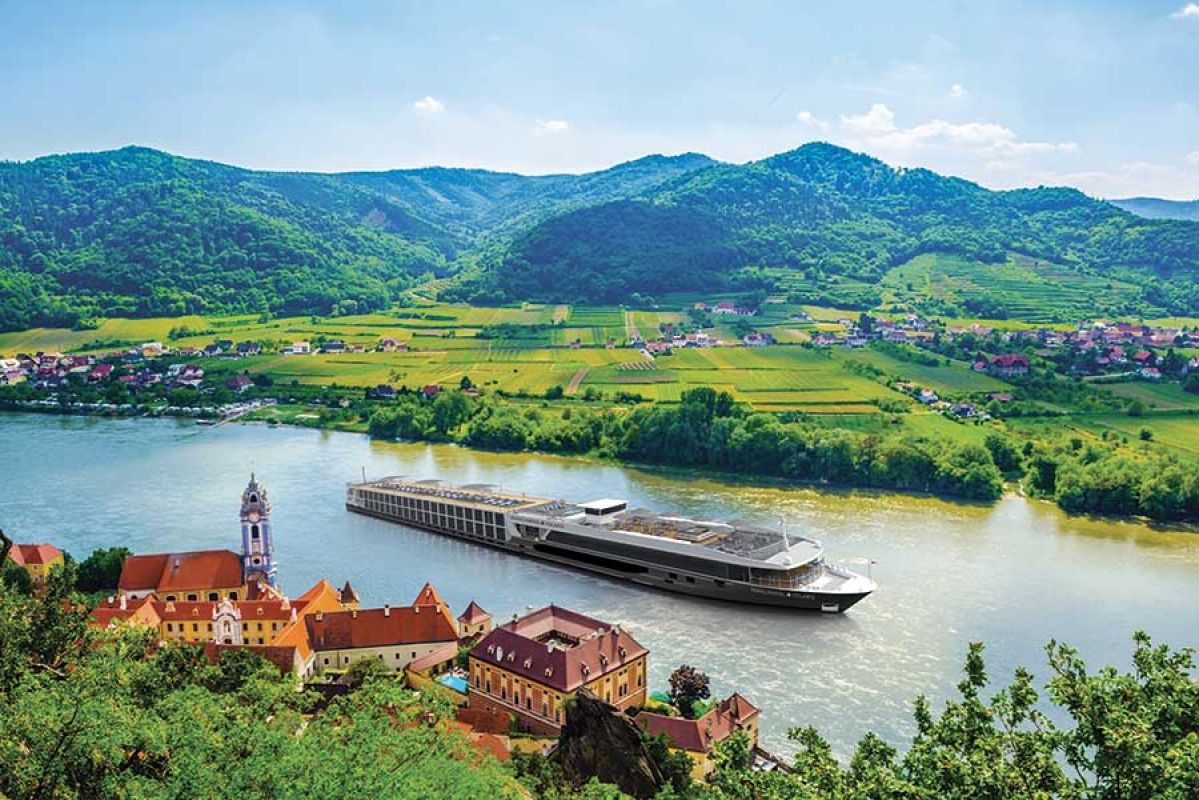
283 657
588 648
441 655
474 613
379 627
698 735
1010 360
165 572
27 554
110 610
428 596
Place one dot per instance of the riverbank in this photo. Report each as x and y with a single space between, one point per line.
320 419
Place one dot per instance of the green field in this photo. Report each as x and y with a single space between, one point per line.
1028 289
957 378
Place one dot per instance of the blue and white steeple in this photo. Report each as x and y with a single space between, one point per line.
257 538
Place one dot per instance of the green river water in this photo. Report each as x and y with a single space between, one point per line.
1013 575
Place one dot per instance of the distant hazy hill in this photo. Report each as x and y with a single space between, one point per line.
141 232
1156 208
825 211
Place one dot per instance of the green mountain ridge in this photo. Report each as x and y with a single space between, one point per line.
139 232
829 213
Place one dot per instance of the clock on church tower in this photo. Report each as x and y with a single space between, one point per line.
257 538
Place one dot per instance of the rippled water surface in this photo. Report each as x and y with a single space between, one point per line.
1014 575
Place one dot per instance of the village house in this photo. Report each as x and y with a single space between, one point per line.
1009 365
698 737
333 346
388 344
248 349
37 560
396 636
382 392
527 669
298 349
756 339
473 622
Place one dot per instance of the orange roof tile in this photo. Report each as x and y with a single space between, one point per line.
175 572
378 627
29 554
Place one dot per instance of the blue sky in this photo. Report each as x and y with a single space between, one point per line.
1099 95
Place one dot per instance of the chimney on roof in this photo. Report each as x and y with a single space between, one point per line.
320 616
354 614
387 609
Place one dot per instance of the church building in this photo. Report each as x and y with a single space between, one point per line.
212 575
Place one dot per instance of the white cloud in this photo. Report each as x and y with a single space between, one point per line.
1193 157
811 120
878 121
428 105
552 126
876 131
958 92
1189 11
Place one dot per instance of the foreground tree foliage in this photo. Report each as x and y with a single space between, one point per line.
114 714
1126 736
90 714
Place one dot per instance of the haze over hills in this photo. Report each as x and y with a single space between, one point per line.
141 232
1157 208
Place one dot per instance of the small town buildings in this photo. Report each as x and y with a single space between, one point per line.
239 383
388 344
333 346
299 348
698 737
1009 365
152 350
382 392
396 636
248 349
430 390
473 622
527 669
37 560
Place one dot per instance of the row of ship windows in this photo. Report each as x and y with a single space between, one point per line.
472 522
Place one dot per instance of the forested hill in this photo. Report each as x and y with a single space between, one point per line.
137 232
825 211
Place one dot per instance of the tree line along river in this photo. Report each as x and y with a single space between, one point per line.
1013 575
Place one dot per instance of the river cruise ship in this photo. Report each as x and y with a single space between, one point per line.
725 561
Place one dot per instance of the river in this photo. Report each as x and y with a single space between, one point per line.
1013 575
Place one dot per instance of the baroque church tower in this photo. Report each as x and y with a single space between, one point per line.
257 538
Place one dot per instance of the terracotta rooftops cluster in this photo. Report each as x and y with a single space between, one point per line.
558 647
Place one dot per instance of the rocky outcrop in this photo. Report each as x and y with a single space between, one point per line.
598 741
